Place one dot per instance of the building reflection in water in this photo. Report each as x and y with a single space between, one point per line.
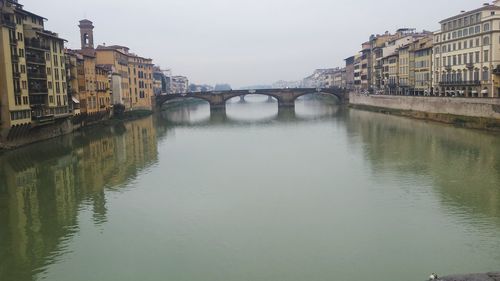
44 186
462 165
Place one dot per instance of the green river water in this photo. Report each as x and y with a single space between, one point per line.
256 194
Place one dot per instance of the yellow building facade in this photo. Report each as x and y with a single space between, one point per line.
32 71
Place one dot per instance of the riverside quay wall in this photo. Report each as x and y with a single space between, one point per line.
476 113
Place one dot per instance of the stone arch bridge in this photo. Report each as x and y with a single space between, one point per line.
285 97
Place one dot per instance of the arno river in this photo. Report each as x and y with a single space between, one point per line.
322 193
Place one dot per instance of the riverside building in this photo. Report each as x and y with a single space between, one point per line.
467 54
32 72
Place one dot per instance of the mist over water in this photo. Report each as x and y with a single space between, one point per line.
258 193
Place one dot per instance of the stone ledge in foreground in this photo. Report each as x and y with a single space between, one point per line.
491 276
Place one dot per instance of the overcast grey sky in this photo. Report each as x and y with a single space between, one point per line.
243 42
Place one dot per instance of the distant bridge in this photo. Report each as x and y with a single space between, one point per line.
285 97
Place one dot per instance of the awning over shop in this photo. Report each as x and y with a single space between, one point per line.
75 100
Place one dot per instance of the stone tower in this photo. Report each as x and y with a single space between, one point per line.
87 34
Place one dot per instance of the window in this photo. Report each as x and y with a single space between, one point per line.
486 40
465 44
23 68
471 43
477 57
49 85
20 37
471 57
486 74
476 75
471 30
477 29
486 27
24 85
25 100
466 32
465 58
459 59
477 42
21 53
454 60
486 55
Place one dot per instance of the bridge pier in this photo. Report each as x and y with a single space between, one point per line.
287 100
286 113
218 108
242 99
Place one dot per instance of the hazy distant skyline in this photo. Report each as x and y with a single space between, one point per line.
242 42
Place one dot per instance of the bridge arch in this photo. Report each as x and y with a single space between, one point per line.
172 98
339 96
243 94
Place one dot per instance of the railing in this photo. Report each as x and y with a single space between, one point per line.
35 59
39 90
37 75
16 74
8 23
460 83
15 58
37 45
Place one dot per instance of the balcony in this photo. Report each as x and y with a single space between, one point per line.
37 76
37 45
38 90
31 59
41 114
13 42
16 74
8 23
448 67
15 58
469 65
460 83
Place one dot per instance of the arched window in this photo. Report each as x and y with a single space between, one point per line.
486 40
486 27
86 39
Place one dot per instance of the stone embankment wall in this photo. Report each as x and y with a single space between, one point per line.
27 134
475 113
